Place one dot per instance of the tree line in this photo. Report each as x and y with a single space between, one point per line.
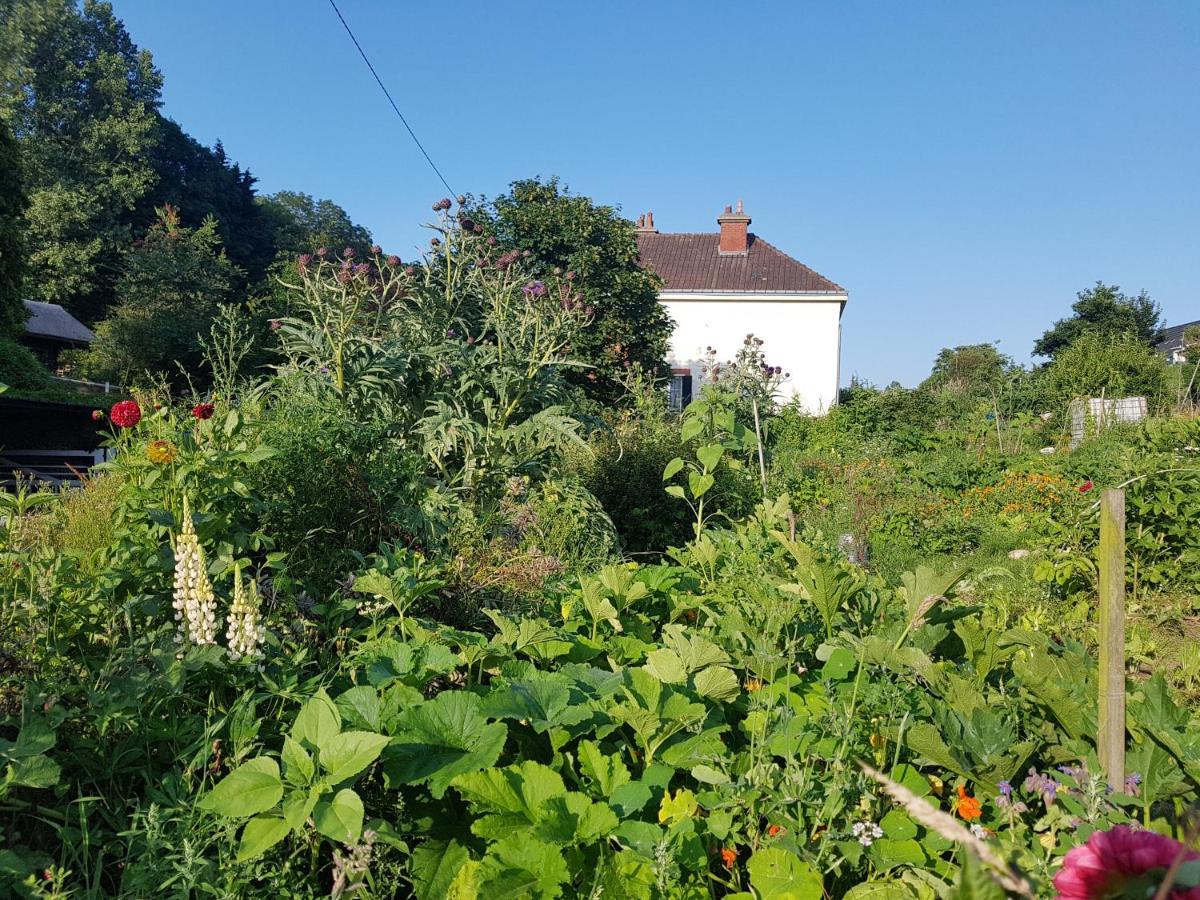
111 209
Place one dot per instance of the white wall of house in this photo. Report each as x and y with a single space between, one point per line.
804 336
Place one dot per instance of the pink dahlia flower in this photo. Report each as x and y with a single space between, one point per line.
1100 867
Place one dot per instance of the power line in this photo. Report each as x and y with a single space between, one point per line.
379 81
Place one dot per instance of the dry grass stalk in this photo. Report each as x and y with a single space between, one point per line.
949 827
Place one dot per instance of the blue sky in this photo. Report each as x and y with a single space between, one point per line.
962 168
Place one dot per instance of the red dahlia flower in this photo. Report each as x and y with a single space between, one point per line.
1085 487
203 411
125 414
1101 866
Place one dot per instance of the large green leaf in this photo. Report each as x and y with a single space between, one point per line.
434 866
522 868
341 818
779 875
317 721
251 788
346 754
607 771
440 739
543 701
260 835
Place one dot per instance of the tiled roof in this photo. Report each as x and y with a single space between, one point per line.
691 262
49 320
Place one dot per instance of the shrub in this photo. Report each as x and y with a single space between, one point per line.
20 368
623 468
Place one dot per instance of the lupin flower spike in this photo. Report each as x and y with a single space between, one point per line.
195 604
246 632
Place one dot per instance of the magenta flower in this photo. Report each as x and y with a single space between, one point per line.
534 289
1101 866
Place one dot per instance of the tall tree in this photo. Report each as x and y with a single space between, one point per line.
1104 309
82 100
12 244
574 234
301 224
200 182
972 370
174 281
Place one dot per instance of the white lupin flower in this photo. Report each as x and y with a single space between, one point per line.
246 631
195 604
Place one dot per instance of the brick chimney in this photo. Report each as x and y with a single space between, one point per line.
645 224
735 235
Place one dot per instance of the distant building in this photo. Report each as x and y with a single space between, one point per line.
50 329
721 286
1172 346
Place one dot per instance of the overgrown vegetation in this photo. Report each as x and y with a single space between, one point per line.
367 624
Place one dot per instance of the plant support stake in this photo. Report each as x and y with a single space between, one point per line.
1110 738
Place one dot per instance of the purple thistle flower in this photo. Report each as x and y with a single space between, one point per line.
491 241
478 228
274 324
466 225
376 249
348 253
344 276
393 260
322 252
409 270
534 289
362 269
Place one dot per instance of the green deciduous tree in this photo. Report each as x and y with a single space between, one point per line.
12 244
200 182
574 234
82 100
174 281
301 224
1104 309
1115 365
970 369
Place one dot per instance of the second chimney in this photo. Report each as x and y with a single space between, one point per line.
735 231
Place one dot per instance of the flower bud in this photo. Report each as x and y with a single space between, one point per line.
376 249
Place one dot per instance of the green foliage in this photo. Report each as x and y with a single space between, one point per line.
302 224
1115 365
12 238
567 233
173 285
20 368
1103 309
81 99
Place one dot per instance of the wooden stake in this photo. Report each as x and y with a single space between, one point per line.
1110 736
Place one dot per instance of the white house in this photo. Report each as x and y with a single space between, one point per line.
721 286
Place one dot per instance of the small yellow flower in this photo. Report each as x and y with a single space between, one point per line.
161 453
753 684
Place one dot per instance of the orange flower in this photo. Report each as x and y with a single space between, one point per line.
729 857
161 453
966 806
753 684
775 830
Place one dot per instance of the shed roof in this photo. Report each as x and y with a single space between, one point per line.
49 320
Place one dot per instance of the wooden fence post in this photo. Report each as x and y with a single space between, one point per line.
1110 736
